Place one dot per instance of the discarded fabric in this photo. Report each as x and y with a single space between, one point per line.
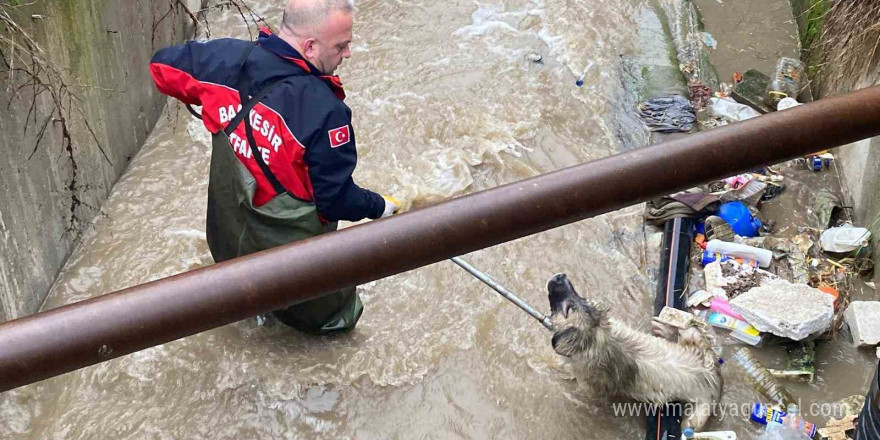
661 209
668 114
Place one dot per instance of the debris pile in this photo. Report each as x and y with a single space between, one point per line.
780 256
776 281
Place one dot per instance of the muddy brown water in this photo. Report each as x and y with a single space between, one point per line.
446 102
750 34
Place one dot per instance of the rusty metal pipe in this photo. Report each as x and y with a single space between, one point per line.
105 327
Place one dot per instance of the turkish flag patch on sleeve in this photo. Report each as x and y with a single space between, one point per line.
339 136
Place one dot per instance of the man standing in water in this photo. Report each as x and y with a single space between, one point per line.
283 144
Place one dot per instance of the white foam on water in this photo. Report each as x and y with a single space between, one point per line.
196 130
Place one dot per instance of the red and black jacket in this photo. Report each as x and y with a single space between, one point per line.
302 128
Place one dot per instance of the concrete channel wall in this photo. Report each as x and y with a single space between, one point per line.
53 180
858 163
859 166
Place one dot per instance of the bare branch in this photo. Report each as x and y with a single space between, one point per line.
40 135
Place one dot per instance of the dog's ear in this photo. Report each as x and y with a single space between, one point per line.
596 312
564 342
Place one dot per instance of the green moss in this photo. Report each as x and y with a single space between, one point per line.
814 17
810 15
66 10
667 30
78 21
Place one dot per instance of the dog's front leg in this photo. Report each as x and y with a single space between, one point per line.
664 330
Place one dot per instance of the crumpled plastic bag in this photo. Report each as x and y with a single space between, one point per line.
824 204
667 114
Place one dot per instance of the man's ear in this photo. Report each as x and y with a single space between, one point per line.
308 46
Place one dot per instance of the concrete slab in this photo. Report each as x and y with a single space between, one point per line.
785 309
750 91
863 318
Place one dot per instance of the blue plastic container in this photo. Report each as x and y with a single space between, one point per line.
737 215
708 257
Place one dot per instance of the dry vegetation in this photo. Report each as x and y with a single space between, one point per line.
52 93
844 41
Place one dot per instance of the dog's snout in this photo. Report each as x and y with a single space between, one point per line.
557 280
559 290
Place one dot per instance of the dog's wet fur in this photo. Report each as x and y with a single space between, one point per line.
614 359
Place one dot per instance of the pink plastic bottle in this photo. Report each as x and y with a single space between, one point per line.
721 305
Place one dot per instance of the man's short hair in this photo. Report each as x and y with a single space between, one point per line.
308 15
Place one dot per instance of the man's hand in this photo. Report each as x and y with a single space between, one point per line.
391 206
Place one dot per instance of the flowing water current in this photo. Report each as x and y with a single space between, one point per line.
447 100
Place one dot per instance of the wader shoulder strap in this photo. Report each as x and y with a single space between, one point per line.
246 107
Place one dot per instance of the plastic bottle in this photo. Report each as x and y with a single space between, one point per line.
761 379
791 428
580 80
827 159
786 81
709 257
799 428
715 435
739 329
721 305
689 434
762 256
777 90
773 418
764 414
791 418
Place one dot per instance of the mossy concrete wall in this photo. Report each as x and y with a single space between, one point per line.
859 166
52 185
858 163
809 15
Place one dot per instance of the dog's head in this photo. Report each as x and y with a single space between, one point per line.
575 319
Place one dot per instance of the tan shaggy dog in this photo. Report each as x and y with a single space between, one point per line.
614 359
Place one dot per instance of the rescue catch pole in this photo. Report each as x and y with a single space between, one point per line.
105 327
506 294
